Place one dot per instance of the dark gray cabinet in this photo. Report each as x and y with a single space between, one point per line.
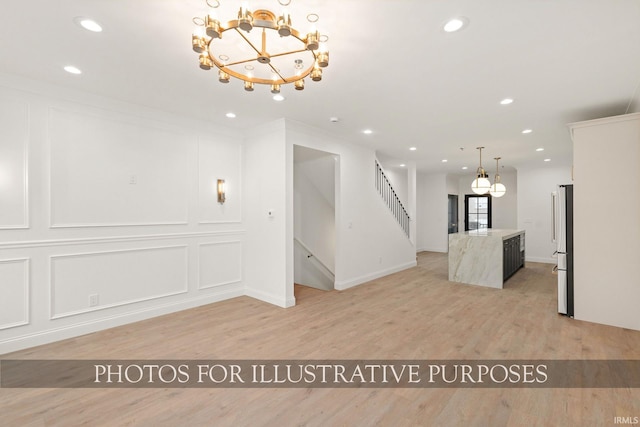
512 256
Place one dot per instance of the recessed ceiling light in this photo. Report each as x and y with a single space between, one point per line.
73 70
506 101
278 97
464 168
444 160
402 165
547 160
231 115
412 148
527 131
455 24
367 131
88 24
540 149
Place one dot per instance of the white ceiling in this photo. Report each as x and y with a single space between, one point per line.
392 69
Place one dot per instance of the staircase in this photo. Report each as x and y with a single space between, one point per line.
309 270
391 199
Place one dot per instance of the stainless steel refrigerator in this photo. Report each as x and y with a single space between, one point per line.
563 237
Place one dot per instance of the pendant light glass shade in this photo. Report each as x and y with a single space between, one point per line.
481 184
497 189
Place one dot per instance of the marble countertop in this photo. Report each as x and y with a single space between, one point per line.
491 232
479 261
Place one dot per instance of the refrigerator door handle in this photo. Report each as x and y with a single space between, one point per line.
554 216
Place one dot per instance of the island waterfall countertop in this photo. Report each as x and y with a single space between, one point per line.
485 257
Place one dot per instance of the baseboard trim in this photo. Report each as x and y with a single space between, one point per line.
270 298
346 284
542 260
440 250
83 328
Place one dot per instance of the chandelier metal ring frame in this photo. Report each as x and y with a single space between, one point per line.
264 20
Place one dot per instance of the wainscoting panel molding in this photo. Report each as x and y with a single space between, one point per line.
107 172
14 149
114 239
14 285
90 281
219 263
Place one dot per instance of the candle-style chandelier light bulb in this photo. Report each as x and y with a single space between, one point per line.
284 25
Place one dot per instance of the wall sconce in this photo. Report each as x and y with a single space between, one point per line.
222 189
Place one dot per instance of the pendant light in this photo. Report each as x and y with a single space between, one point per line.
497 189
481 184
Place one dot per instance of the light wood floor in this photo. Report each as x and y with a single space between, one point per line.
415 314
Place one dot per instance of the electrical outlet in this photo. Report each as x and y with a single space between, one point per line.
93 300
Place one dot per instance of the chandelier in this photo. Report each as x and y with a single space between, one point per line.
260 47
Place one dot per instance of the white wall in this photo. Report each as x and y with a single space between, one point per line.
432 212
369 241
268 181
109 213
606 155
535 186
634 107
453 182
505 209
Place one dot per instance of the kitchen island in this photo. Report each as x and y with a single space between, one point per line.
486 257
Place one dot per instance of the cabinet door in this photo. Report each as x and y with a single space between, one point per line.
505 259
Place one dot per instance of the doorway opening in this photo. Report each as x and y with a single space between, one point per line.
314 217
477 212
453 214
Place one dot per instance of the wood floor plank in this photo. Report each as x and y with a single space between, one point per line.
415 314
